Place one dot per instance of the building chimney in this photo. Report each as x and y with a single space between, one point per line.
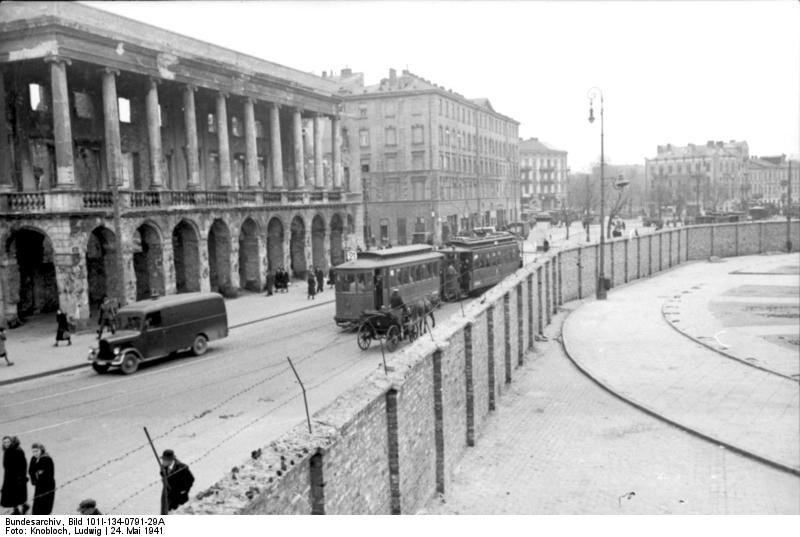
324 74
719 143
392 76
347 71
710 143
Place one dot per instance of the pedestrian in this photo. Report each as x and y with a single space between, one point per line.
179 479
320 279
270 283
3 352
62 331
88 507
43 479
14 493
312 285
331 278
107 317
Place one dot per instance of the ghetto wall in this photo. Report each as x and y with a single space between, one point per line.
389 445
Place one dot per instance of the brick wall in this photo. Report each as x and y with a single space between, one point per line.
390 443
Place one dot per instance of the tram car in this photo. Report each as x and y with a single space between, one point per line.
366 283
479 262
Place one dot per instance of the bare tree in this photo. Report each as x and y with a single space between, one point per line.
616 208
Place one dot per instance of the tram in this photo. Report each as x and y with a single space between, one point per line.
480 262
423 275
365 283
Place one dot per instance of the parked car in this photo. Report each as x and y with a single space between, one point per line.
151 329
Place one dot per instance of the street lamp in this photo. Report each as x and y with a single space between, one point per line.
601 283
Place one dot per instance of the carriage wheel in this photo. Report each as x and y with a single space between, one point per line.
392 338
364 336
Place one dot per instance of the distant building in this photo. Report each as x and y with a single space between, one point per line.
697 178
433 162
543 175
766 178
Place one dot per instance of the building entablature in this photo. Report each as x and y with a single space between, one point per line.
82 34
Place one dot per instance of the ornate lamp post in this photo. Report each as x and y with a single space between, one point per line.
601 283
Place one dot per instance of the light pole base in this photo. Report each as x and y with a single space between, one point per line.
602 290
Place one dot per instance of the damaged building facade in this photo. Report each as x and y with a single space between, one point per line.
218 158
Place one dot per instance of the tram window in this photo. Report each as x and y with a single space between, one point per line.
402 275
422 272
361 283
345 282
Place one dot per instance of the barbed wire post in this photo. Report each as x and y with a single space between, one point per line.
305 401
165 485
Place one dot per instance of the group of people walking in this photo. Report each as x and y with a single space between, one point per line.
316 281
16 472
176 475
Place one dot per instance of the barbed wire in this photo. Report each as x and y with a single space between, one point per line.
190 420
247 425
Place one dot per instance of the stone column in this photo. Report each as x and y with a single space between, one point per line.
319 174
154 136
62 127
336 136
223 142
6 171
190 123
250 141
299 160
275 146
111 127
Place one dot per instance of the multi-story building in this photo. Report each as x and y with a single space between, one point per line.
543 176
206 148
767 178
433 163
696 178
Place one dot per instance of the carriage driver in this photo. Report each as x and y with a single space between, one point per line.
397 306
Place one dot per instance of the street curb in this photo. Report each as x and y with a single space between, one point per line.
657 415
720 352
87 364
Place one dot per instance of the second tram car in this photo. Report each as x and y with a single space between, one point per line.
480 262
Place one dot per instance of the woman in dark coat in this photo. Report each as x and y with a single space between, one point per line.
43 478
62 332
15 482
312 285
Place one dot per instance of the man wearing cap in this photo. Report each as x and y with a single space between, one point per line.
88 507
179 479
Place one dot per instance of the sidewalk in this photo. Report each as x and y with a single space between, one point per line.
629 347
558 444
31 349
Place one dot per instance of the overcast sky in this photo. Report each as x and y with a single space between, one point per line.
671 72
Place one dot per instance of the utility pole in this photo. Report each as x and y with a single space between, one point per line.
789 209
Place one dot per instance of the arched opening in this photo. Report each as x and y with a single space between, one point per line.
318 242
186 253
31 286
101 273
147 262
274 244
219 256
337 250
249 273
297 247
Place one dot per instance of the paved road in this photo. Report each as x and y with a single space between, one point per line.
211 410
559 444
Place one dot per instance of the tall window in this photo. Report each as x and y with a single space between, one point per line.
236 126
363 137
83 105
124 109
391 136
417 134
259 129
40 100
212 123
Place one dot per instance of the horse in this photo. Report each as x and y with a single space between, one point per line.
421 308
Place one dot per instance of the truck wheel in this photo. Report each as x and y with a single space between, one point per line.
200 345
130 363
100 368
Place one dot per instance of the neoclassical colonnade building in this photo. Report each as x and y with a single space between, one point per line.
226 165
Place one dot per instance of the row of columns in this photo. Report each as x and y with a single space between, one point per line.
62 132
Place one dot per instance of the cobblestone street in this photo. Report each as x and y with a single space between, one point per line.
559 444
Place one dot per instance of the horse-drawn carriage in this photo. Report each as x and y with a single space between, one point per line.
387 325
